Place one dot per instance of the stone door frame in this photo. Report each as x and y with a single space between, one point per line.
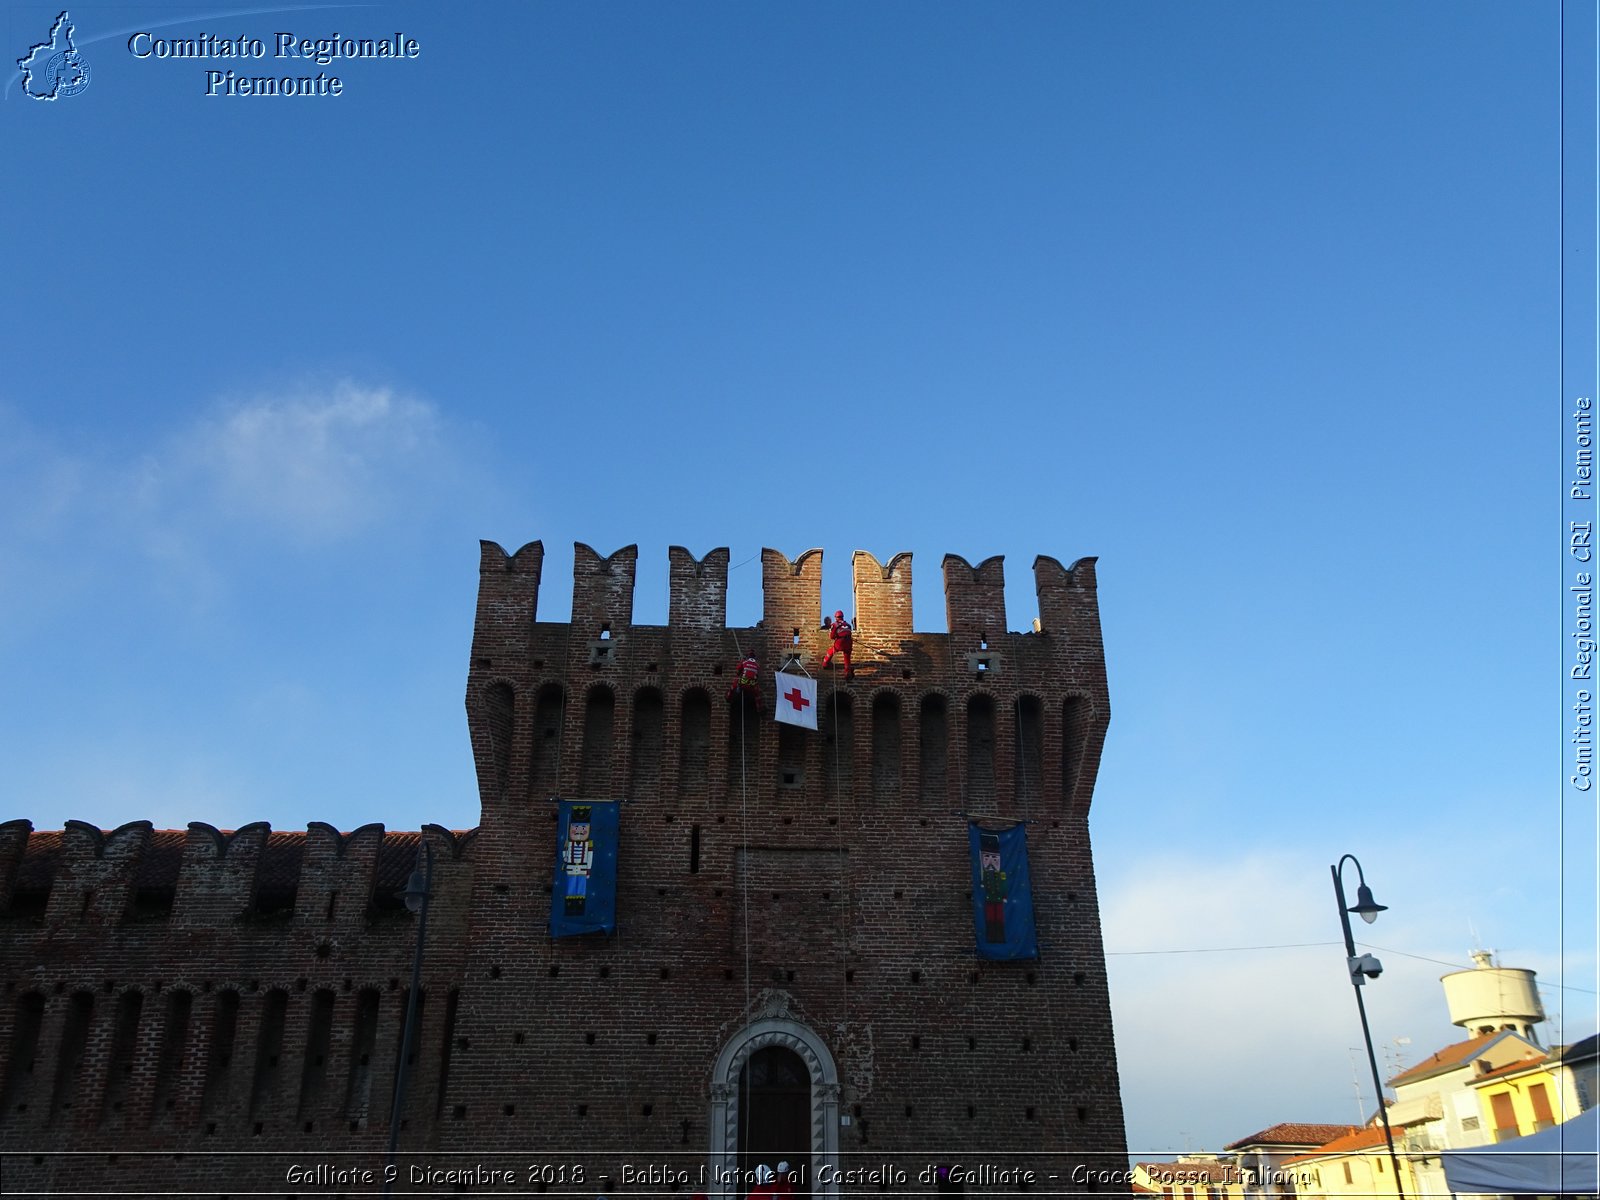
791 1035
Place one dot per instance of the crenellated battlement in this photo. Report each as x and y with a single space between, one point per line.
550 705
205 877
602 592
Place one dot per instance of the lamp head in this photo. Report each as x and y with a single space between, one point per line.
416 891
1365 906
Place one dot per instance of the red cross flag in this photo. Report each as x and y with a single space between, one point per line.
797 700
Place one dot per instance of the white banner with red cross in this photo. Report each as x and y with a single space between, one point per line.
797 700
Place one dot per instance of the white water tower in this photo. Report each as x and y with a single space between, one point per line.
1488 999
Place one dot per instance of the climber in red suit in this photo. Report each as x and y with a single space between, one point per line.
841 631
746 680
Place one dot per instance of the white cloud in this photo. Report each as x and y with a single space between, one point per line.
320 464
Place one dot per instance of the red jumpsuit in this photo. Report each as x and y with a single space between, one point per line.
745 680
841 631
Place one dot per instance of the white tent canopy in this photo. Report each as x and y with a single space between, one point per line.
1553 1162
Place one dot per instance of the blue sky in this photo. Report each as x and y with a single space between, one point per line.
1257 302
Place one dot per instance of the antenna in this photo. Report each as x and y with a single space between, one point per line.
1355 1086
1394 1054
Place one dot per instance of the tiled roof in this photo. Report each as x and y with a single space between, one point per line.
1446 1059
38 864
1525 1064
158 866
1292 1133
1350 1143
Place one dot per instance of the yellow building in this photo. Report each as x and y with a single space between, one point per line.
1355 1164
1519 1098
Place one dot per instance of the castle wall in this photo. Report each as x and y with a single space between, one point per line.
186 993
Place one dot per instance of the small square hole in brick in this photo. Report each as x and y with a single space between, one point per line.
510 1110
494 972
583 1110
916 1041
1033 979
650 1039
899 893
605 972
1027 1045
972 1111
727 972
459 1112
1029 1112
1072 1043
518 1038
972 1043
1083 1113
1077 978
646 1109
916 977
588 1038
666 973
555 970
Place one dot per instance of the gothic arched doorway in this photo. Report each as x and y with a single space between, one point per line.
775 1114
778 1091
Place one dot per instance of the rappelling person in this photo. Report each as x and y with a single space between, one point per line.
840 629
746 681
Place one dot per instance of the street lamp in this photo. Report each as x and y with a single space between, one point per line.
1363 967
419 890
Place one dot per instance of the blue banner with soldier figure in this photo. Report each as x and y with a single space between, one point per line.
583 895
1002 892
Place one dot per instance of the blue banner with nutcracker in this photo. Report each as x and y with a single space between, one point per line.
583 897
1002 892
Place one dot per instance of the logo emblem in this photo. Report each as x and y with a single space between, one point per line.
53 69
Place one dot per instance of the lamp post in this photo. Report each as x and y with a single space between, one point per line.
1361 968
419 890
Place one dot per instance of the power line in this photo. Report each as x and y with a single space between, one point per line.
1221 949
1302 945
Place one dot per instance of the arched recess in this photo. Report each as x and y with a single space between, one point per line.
649 723
980 749
1028 760
885 746
933 738
774 1030
694 745
545 759
599 720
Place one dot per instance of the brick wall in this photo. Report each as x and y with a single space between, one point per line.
220 993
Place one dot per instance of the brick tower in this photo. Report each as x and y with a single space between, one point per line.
792 973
